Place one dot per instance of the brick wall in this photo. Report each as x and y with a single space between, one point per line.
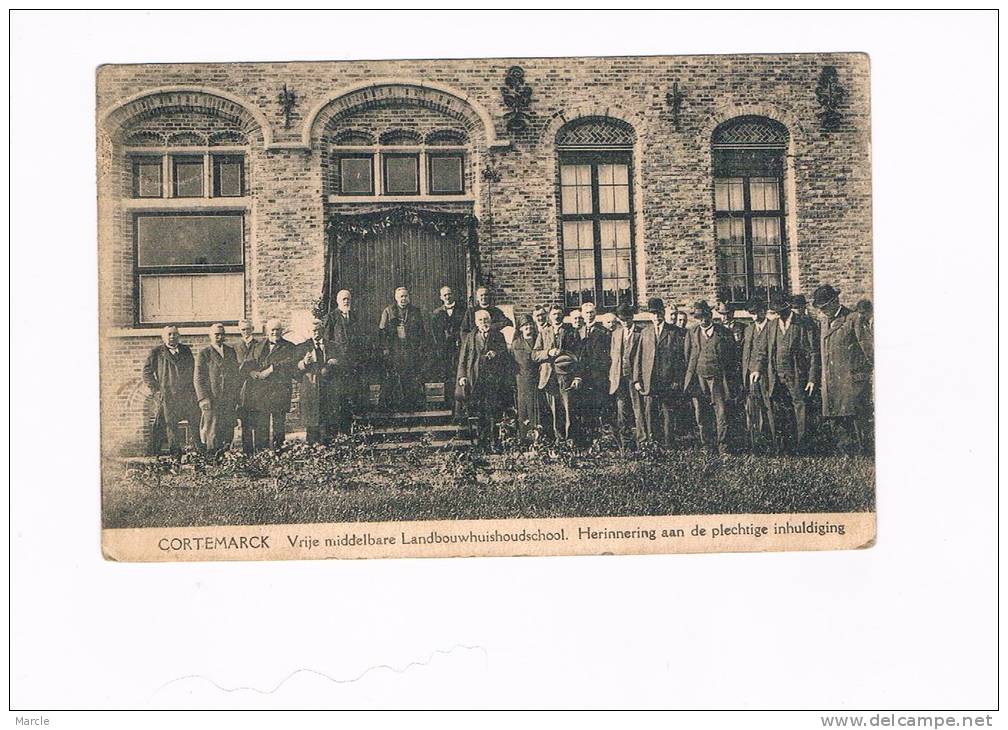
830 209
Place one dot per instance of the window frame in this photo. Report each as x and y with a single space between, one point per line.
136 160
190 269
747 214
340 156
175 160
456 155
594 158
389 155
216 158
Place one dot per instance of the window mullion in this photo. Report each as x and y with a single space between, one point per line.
747 240
596 233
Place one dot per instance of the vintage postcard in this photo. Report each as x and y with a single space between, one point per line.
482 307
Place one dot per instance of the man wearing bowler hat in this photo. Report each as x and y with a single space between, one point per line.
708 359
659 368
847 358
759 414
791 363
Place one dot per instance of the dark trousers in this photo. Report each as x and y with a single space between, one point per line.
712 405
404 386
250 420
660 410
853 434
171 436
791 419
320 433
759 416
595 406
269 428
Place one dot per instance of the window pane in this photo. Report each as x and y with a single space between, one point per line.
445 174
356 175
624 266
721 195
188 177
570 265
577 234
192 297
147 177
401 175
609 265
607 232
189 240
764 193
586 237
568 199
587 265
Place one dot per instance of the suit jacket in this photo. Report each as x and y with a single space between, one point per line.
566 340
660 365
414 328
485 375
316 390
170 379
753 344
446 331
217 379
723 344
596 349
848 354
616 354
246 363
798 348
272 393
498 320
348 335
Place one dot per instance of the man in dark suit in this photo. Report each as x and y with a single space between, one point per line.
708 358
217 381
482 375
268 388
343 327
848 355
558 344
317 362
623 343
791 363
498 320
759 414
246 413
403 336
595 358
168 375
813 411
659 369
446 337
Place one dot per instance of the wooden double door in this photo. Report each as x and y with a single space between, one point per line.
417 257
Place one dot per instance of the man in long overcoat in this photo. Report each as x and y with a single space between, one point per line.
758 411
446 338
269 386
317 362
791 363
848 355
168 375
483 376
659 369
247 415
217 381
344 328
624 341
403 336
595 353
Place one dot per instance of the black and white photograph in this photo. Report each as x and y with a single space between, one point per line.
425 292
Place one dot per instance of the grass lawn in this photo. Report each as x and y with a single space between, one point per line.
352 483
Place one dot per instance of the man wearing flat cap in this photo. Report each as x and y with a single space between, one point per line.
708 360
659 369
847 357
791 363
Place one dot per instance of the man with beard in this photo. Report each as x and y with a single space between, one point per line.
848 355
168 375
269 386
316 361
217 380
482 374
446 336
498 320
343 327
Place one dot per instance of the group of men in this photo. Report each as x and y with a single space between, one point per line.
565 375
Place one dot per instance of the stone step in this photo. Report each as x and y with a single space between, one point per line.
420 428
435 444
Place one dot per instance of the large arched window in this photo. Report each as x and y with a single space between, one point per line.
595 157
749 214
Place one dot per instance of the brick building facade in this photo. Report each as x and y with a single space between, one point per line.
620 178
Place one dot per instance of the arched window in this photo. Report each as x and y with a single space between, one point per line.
595 157
748 156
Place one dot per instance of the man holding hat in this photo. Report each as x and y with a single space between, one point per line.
759 414
556 352
708 360
791 363
847 357
659 368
